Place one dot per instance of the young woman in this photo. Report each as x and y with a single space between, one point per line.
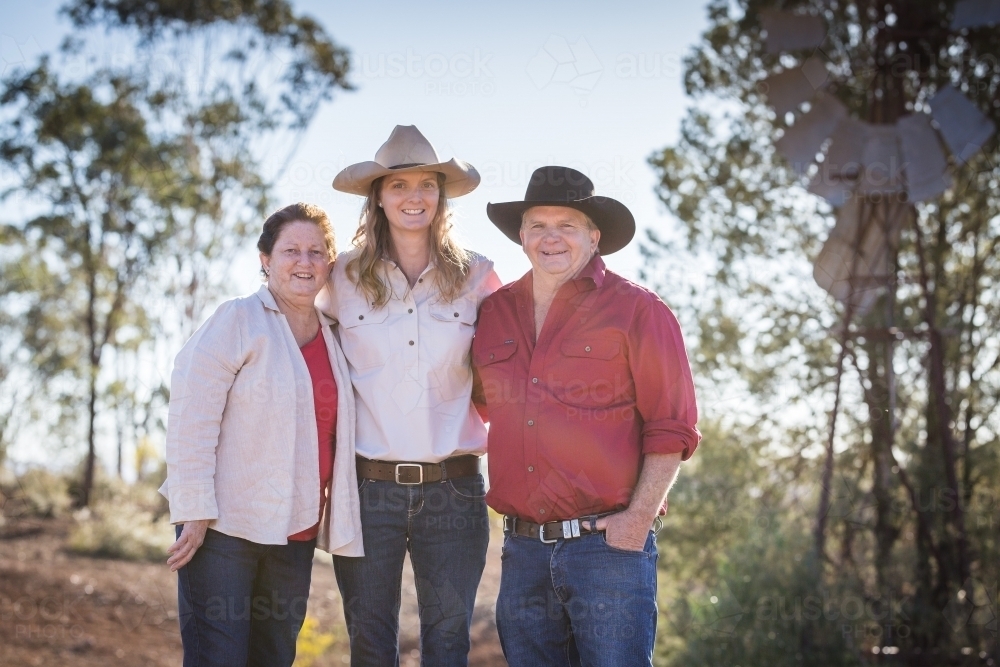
406 299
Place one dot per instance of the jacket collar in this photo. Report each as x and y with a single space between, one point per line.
266 298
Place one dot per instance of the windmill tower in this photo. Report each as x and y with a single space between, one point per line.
874 167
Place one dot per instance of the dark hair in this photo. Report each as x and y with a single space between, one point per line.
298 212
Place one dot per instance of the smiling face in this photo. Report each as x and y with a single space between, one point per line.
559 241
298 264
410 201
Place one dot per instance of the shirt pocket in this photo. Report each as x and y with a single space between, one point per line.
592 373
365 336
451 326
495 365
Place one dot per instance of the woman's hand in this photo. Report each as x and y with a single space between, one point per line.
183 550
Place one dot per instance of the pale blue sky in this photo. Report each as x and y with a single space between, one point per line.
484 83
508 87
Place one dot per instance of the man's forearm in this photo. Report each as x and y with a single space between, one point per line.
659 471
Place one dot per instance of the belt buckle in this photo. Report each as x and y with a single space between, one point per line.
541 535
418 466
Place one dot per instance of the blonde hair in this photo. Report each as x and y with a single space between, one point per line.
375 243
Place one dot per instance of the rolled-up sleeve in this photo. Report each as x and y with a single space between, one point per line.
664 387
204 372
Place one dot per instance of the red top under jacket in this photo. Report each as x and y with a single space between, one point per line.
325 399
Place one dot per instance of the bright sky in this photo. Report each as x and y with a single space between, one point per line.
506 86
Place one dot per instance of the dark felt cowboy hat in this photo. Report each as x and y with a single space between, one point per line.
562 186
407 150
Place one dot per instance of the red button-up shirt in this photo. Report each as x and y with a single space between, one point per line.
572 414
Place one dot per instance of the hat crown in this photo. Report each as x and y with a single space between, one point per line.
555 184
406 146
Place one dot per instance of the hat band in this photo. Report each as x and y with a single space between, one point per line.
407 165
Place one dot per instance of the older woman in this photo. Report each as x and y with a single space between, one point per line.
406 299
260 455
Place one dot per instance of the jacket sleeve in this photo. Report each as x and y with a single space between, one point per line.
204 372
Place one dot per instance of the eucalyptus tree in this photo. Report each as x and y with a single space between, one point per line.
136 181
903 482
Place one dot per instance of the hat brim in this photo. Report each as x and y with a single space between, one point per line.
613 218
460 178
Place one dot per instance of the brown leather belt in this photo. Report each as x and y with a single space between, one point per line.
551 531
410 474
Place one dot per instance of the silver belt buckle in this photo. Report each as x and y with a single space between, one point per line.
411 465
571 528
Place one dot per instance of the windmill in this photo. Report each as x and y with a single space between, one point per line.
867 161
874 169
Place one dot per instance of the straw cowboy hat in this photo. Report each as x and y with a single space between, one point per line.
407 150
562 186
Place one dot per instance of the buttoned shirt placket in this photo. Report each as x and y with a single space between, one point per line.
561 313
410 316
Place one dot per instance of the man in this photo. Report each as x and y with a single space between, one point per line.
591 404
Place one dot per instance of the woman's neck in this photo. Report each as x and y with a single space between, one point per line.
412 253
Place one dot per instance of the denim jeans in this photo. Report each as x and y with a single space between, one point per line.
242 603
576 602
445 528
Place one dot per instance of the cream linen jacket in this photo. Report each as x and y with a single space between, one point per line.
241 433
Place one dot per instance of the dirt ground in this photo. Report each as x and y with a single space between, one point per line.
58 608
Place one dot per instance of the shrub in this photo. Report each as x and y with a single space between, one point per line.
36 493
121 529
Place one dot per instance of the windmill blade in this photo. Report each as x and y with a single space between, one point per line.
924 162
841 166
791 32
853 264
801 142
964 127
883 163
975 14
788 89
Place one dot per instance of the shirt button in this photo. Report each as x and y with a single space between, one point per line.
531 422
420 280
456 314
361 317
531 468
492 355
586 349
411 342
410 310
534 380
541 511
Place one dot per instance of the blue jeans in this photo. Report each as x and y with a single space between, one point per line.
242 603
576 602
445 528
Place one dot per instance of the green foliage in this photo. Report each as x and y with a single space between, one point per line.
127 522
764 343
143 182
36 493
318 65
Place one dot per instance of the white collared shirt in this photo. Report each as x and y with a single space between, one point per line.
410 362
